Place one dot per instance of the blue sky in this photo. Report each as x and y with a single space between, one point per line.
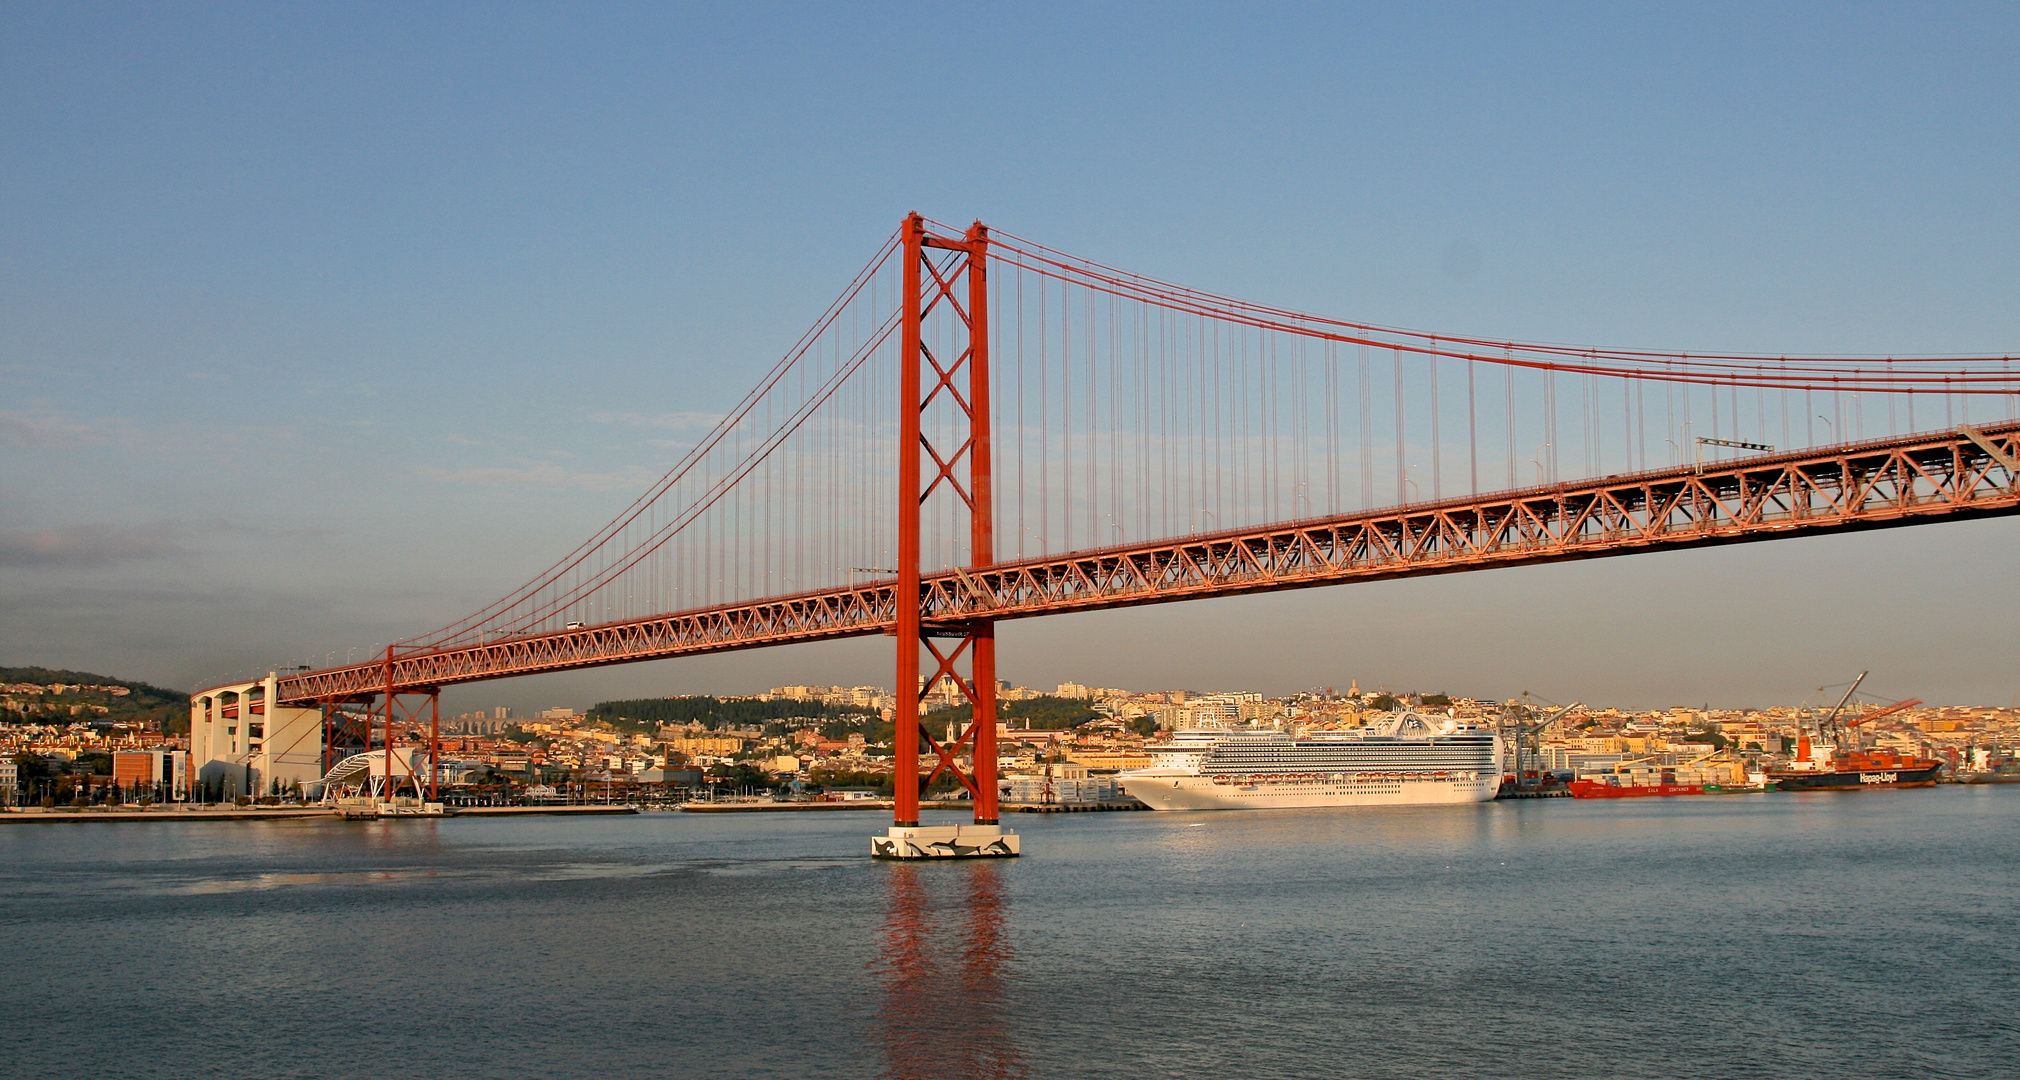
320 325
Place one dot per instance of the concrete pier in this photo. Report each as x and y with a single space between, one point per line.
946 842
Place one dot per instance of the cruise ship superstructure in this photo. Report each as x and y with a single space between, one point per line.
1406 759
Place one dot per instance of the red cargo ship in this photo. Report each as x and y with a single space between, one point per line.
1595 789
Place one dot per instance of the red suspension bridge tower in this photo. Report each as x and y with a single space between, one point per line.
944 413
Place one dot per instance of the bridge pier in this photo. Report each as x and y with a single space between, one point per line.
946 842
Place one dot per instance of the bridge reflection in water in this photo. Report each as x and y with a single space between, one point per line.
946 961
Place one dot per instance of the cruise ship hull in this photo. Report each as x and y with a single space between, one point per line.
1171 790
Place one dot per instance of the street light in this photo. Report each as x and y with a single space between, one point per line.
1405 477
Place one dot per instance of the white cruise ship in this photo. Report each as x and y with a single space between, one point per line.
1403 760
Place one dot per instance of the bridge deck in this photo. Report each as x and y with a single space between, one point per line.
1877 484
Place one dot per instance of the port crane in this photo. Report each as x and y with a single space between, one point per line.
1842 732
1528 740
1828 729
1875 714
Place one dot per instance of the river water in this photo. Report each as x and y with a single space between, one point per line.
1869 934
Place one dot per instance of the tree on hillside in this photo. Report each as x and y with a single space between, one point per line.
644 715
1044 713
94 761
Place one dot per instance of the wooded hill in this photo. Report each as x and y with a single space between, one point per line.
143 702
1043 713
644 715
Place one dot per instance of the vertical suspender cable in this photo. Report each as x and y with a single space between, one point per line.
1402 469
1367 434
1332 427
1472 432
1437 444
1508 399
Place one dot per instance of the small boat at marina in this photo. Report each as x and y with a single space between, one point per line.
360 807
1988 778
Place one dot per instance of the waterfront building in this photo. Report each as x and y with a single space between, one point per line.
1066 786
1108 758
245 743
136 770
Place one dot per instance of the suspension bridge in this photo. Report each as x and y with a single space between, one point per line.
984 428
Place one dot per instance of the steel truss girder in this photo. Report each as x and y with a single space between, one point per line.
1870 485
1877 484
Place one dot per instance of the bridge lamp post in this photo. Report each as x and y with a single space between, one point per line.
1827 423
1538 459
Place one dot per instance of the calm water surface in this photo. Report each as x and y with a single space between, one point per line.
1851 935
